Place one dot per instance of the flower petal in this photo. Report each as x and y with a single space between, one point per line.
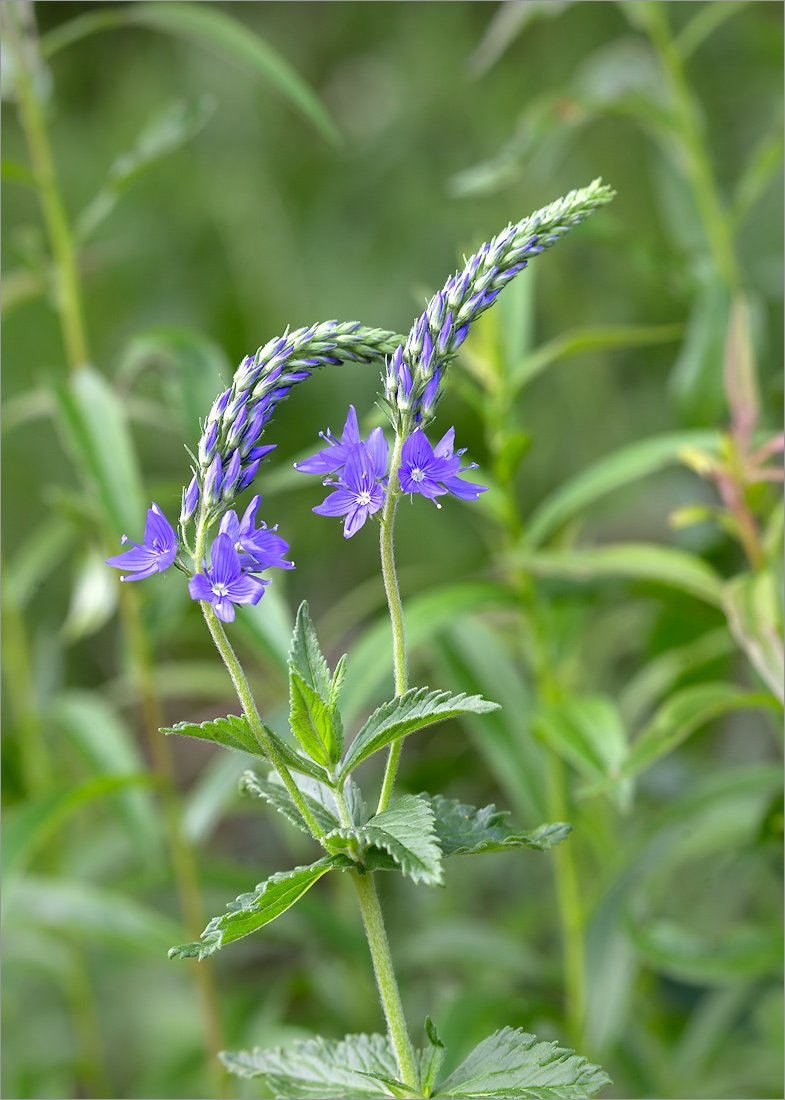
378 449
337 504
224 561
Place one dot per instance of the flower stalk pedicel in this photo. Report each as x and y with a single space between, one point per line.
311 781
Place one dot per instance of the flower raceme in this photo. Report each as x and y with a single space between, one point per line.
357 471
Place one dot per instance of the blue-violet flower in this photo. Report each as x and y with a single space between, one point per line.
358 494
157 552
225 583
259 548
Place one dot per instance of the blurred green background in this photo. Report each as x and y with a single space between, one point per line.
654 948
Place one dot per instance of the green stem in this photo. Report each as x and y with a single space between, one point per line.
571 918
69 298
242 687
385 979
387 548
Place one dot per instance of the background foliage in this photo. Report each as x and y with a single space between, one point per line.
216 200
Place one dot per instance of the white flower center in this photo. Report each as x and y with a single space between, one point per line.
364 497
417 474
219 589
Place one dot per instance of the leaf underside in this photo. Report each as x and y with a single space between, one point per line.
402 838
273 791
463 830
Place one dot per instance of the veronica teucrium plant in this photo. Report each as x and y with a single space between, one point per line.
226 558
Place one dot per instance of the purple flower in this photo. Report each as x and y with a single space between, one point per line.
155 555
225 583
334 457
433 471
258 548
359 494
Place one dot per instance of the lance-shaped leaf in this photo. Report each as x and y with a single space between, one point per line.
430 1058
316 726
752 604
404 832
235 733
515 1065
321 1069
274 792
415 709
464 830
305 656
253 910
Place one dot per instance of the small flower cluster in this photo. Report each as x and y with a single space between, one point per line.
357 469
239 551
415 370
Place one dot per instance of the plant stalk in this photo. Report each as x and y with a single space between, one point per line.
385 979
387 548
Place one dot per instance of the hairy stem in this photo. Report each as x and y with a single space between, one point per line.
244 693
385 978
395 605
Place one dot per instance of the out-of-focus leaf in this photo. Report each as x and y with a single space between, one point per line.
682 714
266 627
753 605
697 378
107 743
634 560
38 556
414 710
622 467
509 20
29 826
20 285
170 128
370 659
320 1069
587 340
587 731
19 173
87 912
209 27
657 677
405 831
96 434
212 795
764 162
273 792
194 369
475 660
707 19
94 598
739 373
742 954
253 910
464 830
512 1063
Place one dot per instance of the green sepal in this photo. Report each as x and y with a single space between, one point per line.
234 732
253 910
321 1069
305 656
517 1066
273 791
403 833
415 709
463 830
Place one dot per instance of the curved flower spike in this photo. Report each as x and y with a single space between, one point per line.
225 583
157 552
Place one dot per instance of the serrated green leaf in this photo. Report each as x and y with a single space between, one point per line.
517 1066
753 606
636 561
682 714
320 1069
234 732
305 655
464 830
274 792
415 709
96 434
316 727
253 910
405 832
622 467
336 684
208 27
